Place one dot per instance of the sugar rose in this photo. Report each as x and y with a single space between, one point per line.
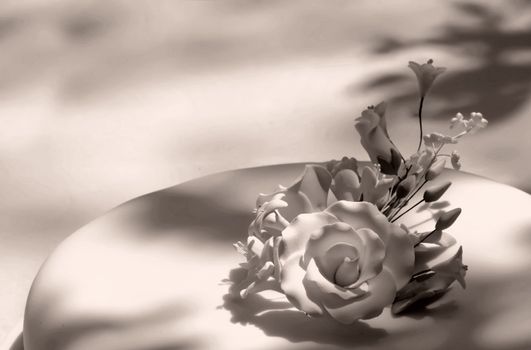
346 262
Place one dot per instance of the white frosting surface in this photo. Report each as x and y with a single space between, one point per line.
149 275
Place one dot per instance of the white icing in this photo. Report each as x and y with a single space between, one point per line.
149 276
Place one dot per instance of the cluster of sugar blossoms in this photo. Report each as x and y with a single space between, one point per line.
329 242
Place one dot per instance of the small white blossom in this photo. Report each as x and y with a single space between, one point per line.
458 120
426 74
469 125
435 140
420 161
453 268
267 215
477 122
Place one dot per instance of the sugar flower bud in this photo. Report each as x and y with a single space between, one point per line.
346 185
371 126
435 193
426 74
390 167
447 219
405 186
455 159
436 169
335 166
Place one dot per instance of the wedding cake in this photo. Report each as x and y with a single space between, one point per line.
348 255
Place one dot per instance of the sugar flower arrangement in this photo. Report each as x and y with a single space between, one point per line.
330 242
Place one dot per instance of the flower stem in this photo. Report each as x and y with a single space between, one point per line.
407 211
424 174
420 122
392 199
404 203
424 238
416 191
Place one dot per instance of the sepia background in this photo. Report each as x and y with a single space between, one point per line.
102 101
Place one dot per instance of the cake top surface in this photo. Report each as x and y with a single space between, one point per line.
151 274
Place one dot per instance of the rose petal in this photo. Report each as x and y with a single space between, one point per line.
319 285
382 291
327 236
291 282
399 250
361 215
371 257
329 261
347 272
297 234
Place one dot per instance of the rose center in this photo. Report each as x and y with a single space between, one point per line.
347 272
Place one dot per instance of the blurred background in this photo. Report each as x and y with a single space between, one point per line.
105 100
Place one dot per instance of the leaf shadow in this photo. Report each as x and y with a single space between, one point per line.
498 79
